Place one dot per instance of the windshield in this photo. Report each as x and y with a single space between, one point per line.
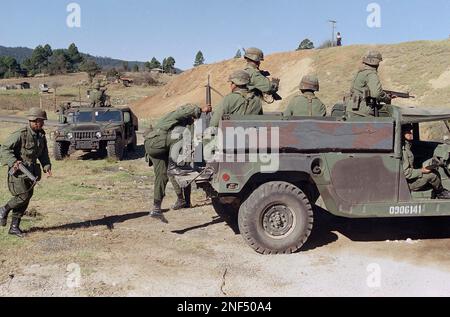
80 117
108 116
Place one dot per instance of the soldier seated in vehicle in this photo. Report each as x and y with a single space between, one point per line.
420 179
307 104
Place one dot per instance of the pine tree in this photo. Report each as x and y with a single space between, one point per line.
199 59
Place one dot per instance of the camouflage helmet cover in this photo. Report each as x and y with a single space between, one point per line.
37 113
310 82
240 78
373 58
254 54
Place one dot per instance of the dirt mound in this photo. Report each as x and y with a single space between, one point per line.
418 67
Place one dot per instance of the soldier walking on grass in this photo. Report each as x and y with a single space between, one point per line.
25 146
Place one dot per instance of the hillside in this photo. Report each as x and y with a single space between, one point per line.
22 53
423 68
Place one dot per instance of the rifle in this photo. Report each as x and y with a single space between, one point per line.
27 173
404 95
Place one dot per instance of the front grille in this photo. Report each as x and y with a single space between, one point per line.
85 135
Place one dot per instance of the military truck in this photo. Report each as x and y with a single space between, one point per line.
353 162
111 131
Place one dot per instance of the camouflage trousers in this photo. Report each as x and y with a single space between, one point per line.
21 189
431 179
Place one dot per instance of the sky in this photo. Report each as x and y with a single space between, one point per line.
142 29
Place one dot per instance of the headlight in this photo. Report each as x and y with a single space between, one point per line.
98 135
70 135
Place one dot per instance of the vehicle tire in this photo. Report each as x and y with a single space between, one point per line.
277 218
116 149
60 150
132 147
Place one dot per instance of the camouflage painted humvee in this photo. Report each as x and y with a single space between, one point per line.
105 130
354 163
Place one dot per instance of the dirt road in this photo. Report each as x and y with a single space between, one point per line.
89 234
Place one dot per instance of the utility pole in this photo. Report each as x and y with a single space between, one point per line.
333 27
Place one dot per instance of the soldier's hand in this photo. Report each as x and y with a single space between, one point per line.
207 109
16 166
49 173
425 170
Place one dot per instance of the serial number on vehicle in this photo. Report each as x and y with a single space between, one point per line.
411 210
226 307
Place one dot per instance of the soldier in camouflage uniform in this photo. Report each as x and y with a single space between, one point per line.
98 97
239 101
25 146
259 83
158 144
419 179
307 104
367 84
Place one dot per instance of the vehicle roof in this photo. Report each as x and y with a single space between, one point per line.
98 109
414 114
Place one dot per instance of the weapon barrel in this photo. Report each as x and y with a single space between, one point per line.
26 172
398 94
208 93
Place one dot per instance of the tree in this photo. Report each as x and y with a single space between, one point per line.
91 68
238 54
306 44
60 63
199 59
40 58
75 58
136 68
125 66
169 65
154 63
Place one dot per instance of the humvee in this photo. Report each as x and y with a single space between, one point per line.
105 130
353 162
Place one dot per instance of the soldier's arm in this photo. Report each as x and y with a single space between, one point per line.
376 89
188 111
263 84
289 112
45 158
219 112
7 149
410 172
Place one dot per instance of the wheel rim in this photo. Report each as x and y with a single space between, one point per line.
278 221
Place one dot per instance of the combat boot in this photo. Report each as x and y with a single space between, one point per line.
442 194
4 212
180 204
157 213
15 228
174 169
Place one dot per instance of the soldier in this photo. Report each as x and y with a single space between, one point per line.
307 104
367 84
25 146
158 144
98 97
259 83
419 179
239 101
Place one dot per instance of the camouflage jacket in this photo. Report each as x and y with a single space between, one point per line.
258 82
367 79
408 163
27 146
304 105
241 102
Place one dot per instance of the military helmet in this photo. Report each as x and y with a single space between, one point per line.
240 78
37 113
97 86
254 54
373 58
310 82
